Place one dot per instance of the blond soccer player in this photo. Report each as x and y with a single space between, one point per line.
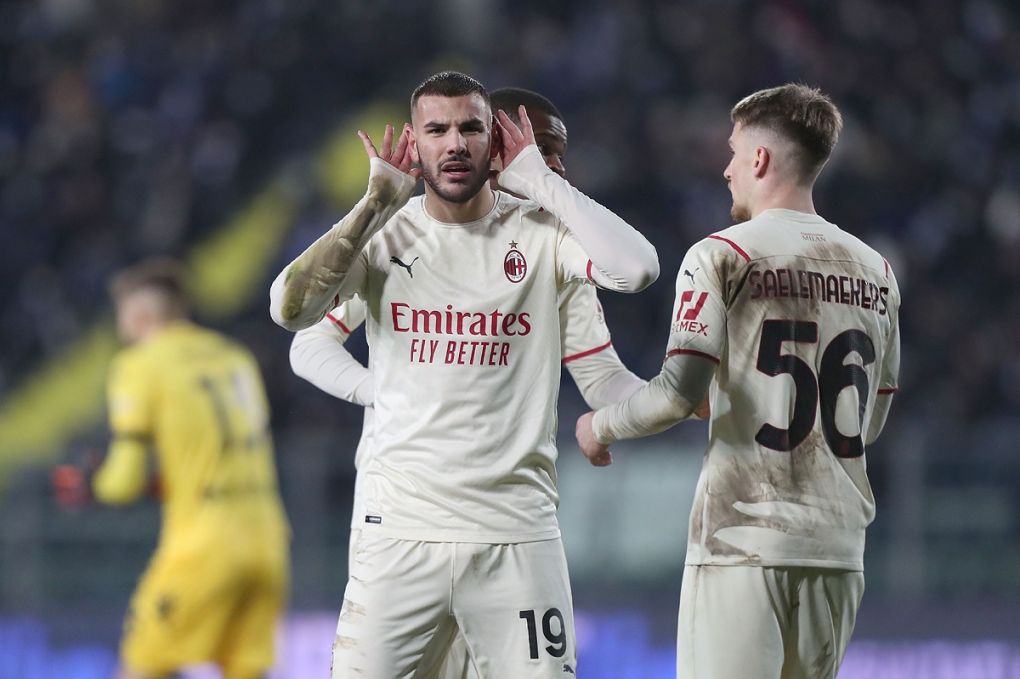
218 580
462 288
789 323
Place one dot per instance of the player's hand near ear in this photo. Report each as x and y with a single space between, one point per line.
512 139
399 157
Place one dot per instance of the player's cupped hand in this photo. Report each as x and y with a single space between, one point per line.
597 453
399 156
512 139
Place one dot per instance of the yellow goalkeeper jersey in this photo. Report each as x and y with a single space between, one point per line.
197 398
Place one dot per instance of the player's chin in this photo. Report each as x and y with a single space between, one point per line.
462 189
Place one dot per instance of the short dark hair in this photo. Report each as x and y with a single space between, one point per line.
161 274
509 98
448 84
801 114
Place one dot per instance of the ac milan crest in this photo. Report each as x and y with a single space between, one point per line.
514 264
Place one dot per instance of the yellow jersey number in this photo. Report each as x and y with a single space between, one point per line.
240 416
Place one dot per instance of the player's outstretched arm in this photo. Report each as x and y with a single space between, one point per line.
697 337
307 288
318 355
621 258
587 347
603 379
670 397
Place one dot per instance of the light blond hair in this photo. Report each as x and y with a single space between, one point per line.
802 115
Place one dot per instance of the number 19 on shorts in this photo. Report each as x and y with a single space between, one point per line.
554 629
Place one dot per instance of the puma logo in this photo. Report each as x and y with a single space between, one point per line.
691 275
396 260
568 669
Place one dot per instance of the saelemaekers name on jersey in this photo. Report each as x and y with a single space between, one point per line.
816 285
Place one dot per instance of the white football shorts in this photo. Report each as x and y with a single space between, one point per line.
455 664
406 601
750 622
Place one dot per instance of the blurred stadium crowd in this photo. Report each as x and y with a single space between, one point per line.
136 127
128 128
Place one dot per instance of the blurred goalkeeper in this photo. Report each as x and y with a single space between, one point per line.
218 580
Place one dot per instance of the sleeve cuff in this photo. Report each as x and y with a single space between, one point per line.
527 164
401 183
598 428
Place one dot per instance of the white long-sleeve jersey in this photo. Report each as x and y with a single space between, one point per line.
801 319
318 355
464 336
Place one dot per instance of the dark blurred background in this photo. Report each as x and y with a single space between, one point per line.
223 133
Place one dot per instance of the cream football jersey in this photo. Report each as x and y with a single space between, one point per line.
586 349
465 352
801 318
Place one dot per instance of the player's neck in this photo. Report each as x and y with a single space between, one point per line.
796 198
459 213
158 327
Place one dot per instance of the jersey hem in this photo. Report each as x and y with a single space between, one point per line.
497 538
777 563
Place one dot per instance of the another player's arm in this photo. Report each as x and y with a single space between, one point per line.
123 476
603 379
588 352
311 285
682 385
620 257
670 397
318 355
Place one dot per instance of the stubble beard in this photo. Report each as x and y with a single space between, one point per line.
739 214
464 192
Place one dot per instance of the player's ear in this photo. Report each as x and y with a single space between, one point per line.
412 145
496 141
762 159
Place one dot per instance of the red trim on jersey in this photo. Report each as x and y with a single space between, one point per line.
691 352
886 262
338 323
888 390
574 357
336 300
740 251
588 272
